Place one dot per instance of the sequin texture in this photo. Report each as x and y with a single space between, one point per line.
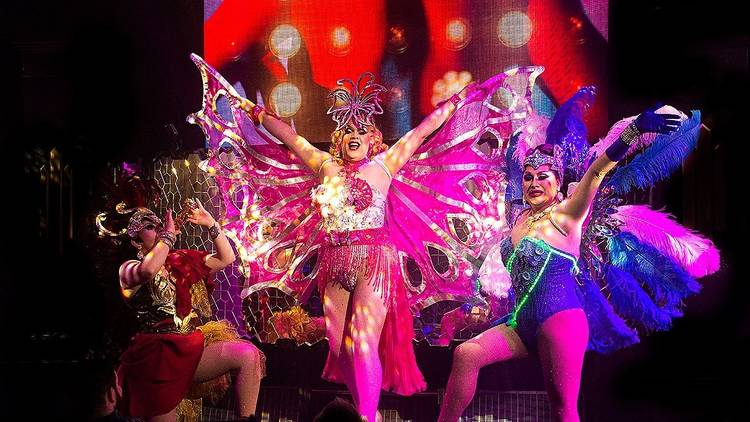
544 283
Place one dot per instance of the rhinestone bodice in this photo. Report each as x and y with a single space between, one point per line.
341 215
531 263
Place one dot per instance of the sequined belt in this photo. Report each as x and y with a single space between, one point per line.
358 237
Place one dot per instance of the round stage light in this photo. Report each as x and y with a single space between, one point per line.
457 34
397 39
576 23
397 99
284 41
286 99
451 83
341 40
514 29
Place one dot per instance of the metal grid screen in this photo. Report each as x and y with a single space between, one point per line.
180 178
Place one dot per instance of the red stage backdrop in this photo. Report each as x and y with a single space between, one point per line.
289 54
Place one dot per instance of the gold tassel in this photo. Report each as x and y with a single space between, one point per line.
221 330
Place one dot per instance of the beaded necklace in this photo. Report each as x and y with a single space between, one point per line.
534 218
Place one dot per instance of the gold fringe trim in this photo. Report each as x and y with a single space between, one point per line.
221 330
190 410
200 300
214 390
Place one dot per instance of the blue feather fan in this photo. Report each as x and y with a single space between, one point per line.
660 159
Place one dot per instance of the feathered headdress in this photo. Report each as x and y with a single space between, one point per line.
567 131
538 159
356 104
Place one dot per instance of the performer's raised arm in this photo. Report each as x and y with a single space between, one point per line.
402 150
224 255
310 155
154 240
577 206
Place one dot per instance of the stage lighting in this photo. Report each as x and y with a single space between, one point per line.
457 34
284 41
286 99
451 83
397 100
514 29
341 40
397 39
576 23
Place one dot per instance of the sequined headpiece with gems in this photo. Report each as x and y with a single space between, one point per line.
142 218
358 103
538 159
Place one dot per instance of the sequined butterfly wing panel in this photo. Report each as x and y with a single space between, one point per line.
446 205
265 190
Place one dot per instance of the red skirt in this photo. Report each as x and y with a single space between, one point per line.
156 372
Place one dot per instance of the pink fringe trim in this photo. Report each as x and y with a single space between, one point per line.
376 263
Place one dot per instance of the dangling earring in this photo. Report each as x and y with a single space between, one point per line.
375 147
560 196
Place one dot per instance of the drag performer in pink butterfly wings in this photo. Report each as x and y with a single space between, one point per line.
358 261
